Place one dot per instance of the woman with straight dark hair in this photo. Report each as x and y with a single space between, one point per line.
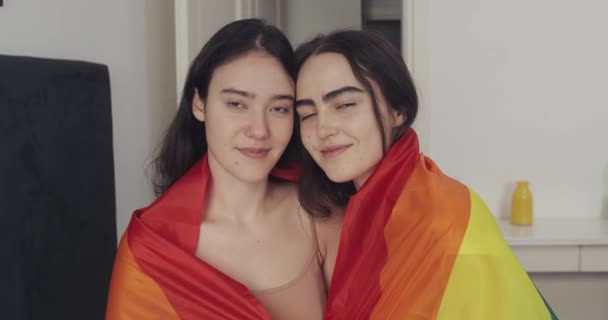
227 237
415 243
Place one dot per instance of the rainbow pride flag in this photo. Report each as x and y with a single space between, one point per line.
156 273
417 244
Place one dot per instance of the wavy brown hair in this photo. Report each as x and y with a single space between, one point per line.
184 142
371 58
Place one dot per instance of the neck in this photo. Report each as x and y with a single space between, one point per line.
401 155
359 181
235 200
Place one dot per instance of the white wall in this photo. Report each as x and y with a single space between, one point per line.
196 21
305 19
518 91
135 39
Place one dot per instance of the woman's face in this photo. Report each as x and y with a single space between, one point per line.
338 126
248 116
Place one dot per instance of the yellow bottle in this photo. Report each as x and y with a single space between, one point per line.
521 205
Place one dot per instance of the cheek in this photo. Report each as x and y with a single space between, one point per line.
367 132
282 129
374 149
221 130
307 134
364 124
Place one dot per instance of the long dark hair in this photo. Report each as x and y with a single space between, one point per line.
371 58
184 142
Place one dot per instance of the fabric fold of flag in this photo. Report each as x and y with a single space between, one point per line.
417 244
156 273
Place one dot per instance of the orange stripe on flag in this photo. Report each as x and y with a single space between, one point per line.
133 294
423 235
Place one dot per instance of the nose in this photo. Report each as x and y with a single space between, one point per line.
326 126
258 127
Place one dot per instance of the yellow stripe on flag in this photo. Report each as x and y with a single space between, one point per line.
487 281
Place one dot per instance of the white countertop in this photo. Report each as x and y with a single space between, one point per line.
557 232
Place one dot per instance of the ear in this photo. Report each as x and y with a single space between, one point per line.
198 107
399 118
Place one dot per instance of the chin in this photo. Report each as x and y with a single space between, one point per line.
249 178
251 174
339 177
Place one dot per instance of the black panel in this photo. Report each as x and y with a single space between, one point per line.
57 202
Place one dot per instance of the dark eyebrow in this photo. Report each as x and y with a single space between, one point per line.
252 95
304 102
328 96
332 94
283 97
239 92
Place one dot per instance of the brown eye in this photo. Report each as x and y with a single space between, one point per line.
345 105
304 117
280 109
235 105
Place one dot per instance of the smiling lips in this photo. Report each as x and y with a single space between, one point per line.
254 153
334 151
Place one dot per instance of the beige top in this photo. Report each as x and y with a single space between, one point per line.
302 298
